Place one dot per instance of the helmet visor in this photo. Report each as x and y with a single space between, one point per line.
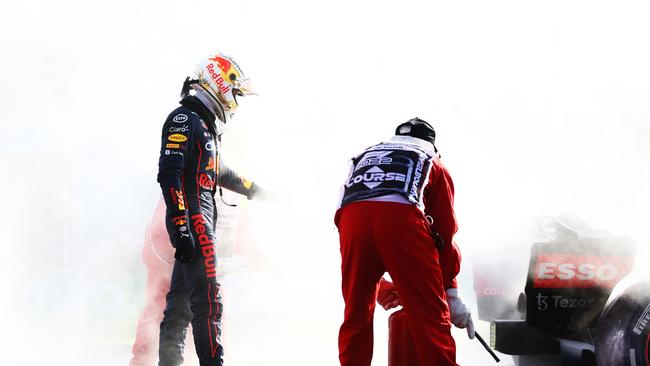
245 87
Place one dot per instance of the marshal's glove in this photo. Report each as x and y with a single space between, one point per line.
181 238
460 314
387 295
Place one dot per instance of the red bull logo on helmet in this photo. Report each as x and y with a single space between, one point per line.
222 64
218 79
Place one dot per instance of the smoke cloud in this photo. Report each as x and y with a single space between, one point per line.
540 108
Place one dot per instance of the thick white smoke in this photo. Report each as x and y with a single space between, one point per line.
539 107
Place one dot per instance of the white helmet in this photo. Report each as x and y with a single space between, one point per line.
222 78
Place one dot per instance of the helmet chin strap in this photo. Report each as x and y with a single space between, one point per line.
209 101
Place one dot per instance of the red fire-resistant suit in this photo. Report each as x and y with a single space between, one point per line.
382 235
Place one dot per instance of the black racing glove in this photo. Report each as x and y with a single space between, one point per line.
181 238
184 247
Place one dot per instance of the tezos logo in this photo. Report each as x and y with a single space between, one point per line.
542 303
177 137
561 302
180 118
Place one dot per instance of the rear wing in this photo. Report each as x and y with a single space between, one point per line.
570 279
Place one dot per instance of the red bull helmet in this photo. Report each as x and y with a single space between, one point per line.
222 78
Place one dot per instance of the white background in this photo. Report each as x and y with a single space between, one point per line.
540 107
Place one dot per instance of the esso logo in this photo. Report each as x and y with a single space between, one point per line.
575 271
180 118
568 271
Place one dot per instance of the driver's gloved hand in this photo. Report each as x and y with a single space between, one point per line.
184 248
181 239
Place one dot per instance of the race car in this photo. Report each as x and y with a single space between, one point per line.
566 315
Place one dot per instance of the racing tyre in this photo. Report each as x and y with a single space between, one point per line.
623 329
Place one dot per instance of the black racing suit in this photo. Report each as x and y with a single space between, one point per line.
189 172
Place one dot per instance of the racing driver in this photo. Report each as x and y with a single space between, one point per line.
190 172
396 215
